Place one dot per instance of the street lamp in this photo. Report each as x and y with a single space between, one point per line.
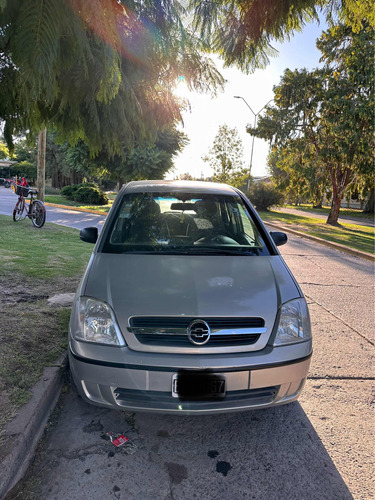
255 124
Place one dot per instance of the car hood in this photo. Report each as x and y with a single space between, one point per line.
196 286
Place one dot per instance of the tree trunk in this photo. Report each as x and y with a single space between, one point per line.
41 177
75 178
340 178
56 179
121 181
334 212
369 208
317 199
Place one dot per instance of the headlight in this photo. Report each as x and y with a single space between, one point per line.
94 321
294 323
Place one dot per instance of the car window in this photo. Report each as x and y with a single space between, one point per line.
183 223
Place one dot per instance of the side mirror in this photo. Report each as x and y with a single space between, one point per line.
89 234
279 238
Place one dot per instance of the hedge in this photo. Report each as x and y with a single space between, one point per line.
21 169
264 196
85 193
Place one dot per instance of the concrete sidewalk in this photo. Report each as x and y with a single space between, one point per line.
337 246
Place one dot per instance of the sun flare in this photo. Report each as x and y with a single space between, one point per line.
182 89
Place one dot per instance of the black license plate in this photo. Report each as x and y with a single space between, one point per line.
189 386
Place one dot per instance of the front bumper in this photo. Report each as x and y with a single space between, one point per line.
272 377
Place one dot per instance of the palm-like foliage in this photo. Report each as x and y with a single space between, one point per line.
98 70
243 31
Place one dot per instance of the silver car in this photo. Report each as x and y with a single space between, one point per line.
187 306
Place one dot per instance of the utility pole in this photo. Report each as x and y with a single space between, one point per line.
41 168
255 124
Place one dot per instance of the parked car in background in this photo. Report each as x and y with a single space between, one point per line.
5 182
187 306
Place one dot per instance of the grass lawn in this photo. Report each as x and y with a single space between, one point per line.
34 265
50 252
344 212
353 236
61 200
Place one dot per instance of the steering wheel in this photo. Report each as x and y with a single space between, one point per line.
220 239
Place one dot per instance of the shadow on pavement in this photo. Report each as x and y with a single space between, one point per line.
264 454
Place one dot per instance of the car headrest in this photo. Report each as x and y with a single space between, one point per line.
148 208
206 208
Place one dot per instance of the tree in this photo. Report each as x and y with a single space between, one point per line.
101 71
296 172
58 169
4 151
147 160
186 177
329 111
370 205
23 151
225 156
242 31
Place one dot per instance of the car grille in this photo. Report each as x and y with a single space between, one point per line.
164 400
173 331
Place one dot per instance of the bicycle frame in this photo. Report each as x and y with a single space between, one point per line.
26 207
35 210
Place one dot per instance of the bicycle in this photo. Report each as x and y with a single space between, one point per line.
35 210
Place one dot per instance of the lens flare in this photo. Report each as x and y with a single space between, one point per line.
119 27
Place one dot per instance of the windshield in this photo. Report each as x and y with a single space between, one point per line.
183 224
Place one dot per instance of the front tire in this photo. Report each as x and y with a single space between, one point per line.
38 214
18 210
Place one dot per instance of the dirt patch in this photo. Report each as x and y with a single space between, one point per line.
16 288
32 336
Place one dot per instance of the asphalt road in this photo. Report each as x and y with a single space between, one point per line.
317 448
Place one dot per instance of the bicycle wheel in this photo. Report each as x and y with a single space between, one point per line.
18 210
38 214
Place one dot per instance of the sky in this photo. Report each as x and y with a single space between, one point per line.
201 123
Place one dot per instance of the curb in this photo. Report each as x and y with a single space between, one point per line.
337 246
22 434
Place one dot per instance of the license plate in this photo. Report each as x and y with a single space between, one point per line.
190 386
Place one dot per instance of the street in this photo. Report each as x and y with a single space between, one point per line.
316 448
60 216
